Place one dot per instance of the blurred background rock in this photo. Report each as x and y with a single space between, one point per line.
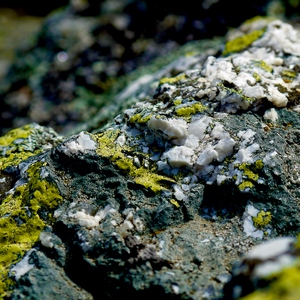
60 59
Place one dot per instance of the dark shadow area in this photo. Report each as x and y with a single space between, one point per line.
223 201
32 7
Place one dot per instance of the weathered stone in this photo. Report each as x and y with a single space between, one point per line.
163 199
70 69
269 271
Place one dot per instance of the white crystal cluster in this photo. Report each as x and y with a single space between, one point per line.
243 80
248 224
194 145
23 266
256 73
270 257
82 143
183 127
125 221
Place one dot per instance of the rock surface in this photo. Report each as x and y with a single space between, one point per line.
166 197
71 68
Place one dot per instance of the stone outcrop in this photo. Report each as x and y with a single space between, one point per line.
163 199
81 55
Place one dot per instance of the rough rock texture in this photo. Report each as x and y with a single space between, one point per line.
81 51
269 271
166 197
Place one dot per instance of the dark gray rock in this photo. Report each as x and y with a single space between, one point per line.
166 197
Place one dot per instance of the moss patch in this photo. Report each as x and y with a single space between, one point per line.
177 101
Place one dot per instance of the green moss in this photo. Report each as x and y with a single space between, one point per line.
191 53
262 219
141 175
240 43
250 175
249 170
187 111
172 80
263 65
44 193
284 285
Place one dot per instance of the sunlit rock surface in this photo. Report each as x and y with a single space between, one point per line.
166 197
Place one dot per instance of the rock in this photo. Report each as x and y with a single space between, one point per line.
269 271
82 50
163 199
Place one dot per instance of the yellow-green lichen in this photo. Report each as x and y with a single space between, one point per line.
250 172
138 118
256 77
294 3
288 75
263 65
175 203
258 165
12 150
20 222
245 185
237 92
16 134
240 43
116 153
179 176
187 111
172 80
257 19
297 243
284 285
262 219
177 101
